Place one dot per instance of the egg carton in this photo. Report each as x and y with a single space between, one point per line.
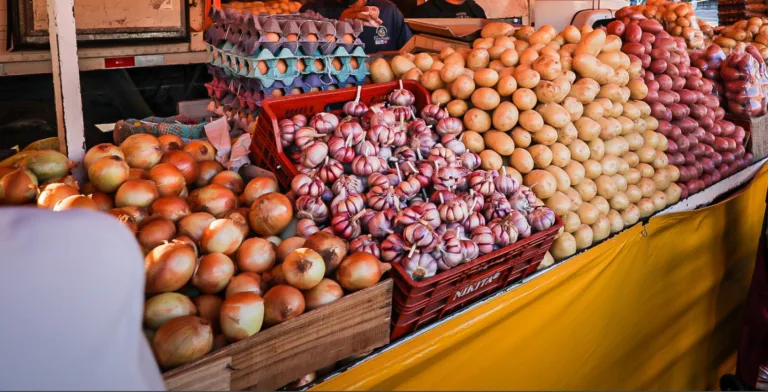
239 117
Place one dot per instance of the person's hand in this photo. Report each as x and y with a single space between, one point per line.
368 15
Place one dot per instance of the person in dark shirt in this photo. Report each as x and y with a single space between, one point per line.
383 26
449 9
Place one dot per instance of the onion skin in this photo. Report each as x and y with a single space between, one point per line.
209 308
182 340
330 247
18 187
54 193
102 200
231 180
256 255
323 293
169 267
170 207
108 174
161 308
194 224
185 162
221 236
142 151
304 268
270 214
100 151
170 142
213 273
201 150
360 270
257 187
207 170
139 193
138 174
168 179
214 199
76 201
242 315
287 246
246 281
182 239
282 303
155 231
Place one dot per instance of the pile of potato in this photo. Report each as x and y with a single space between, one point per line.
678 18
563 112
754 30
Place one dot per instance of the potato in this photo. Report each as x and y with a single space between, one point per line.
456 59
594 111
563 181
591 44
541 182
563 84
673 194
509 57
567 134
601 204
445 53
646 207
524 99
554 114
381 71
605 186
571 34
616 221
579 150
513 173
441 96
601 229
490 160
610 165
575 198
497 29
546 136
592 168
617 146
561 155
590 67
541 154
485 98
609 128
596 149
611 91
587 189
451 72
480 43
463 87
506 85
627 125
588 213
505 116
547 91
477 120
473 141
457 108
647 187
414 74
584 235
528 56
437 66
585 90
563 247
431 79
423 61
531 120
548 67
574 107
559 203
400 65
612 59
527 78
478 59
486 77
496 65
521 160
571 221
587 128
499 142
575 171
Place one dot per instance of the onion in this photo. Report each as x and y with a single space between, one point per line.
102 200
138 174
270 214
47 164
275 276
193 225
185 162
108 173
242 315
127 221
246 281
182 340
137 213
282 303
67 180
360 270
18 187
229 179
257 187
182 239
208 169
168 179
169 267
214 199
142 151
255 255
53 193
287 246
201 150
170 142
323 293
99 151
208 308
222 236
171 207
155 231
139 193
76 201
214 273
275 240
304 268
333 249
161 308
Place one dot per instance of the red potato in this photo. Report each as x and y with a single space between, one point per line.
728 157
676 132
686 124
698 111
707 180
693 83
706 122
709 140
665 98
659 54
672 70
616 28
677 83
648 38
633 33
665 82
683 144
657 66
633 48
690 158
646 60
716 176
671 147
650 26
687 97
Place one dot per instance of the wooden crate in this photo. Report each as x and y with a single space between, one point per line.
757 134
276 356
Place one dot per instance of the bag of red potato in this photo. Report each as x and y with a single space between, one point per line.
746 81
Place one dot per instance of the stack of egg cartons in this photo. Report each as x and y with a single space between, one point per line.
255 57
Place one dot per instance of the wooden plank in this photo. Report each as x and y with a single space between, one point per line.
276 356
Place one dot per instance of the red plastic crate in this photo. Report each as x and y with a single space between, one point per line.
416 304
267 152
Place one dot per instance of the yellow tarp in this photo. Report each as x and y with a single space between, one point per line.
656 307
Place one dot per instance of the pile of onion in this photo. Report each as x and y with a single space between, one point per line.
169 267
139 193
99 151
76 201
183 161
182 340
214 273
304 268
106 174
230 180
255 255
168 179
246 281
222 236
155 231
360 270
282 303
257 187
18 187
209 307
171 207
142 151
163 307
54 193
270 214
214 199
242 315
201 150
194 224
332 248
322 294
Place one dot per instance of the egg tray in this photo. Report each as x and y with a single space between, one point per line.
239 116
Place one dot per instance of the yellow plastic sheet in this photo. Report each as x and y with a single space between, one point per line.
656 307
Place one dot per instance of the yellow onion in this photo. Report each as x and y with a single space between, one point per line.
287 246
323 293
76 201
242 315
201 150
270 214
142 151
102 200
169 267
108 173
138 174
68 180
222 236
155 231
245 281
193 225
257 187
128 221
214 273
229 179
171 207
170 142
187 241
255 255
214 199
139 193
18 187
182 340
304 268
209 307
282 303
207 170
360 270
168 179
99 151
239 217
275 276
183 161
137 213
47 164
53 193
5 170
163 307
332 248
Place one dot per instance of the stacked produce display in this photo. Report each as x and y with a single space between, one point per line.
271 7
754 31
677 18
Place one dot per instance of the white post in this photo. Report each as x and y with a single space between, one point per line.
66 81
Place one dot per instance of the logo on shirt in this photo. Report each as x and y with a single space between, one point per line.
381 37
